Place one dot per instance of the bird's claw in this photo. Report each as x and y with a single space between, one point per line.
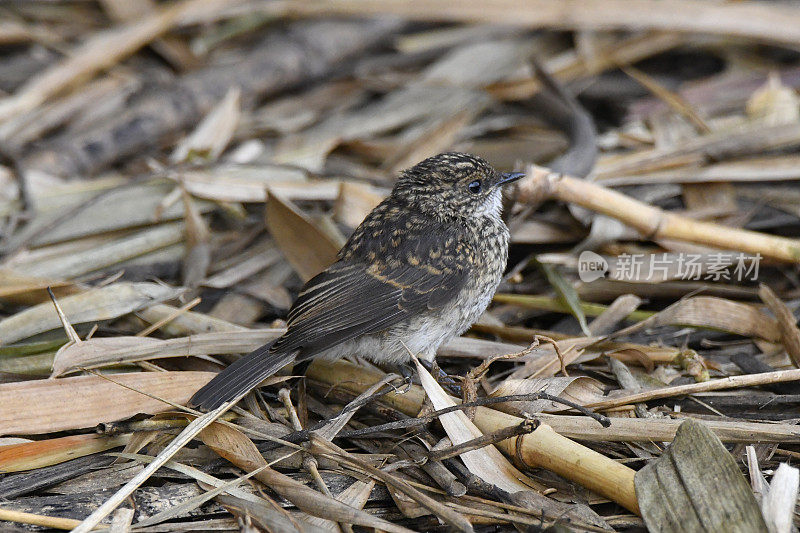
441 377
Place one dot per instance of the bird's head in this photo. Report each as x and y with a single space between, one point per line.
454 185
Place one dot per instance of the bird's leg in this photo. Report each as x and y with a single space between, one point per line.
406 371
441 376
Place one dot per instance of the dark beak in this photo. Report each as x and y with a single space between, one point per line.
508 177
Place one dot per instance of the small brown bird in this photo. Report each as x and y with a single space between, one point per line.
418 271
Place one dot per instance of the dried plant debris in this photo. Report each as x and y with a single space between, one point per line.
171 173
696 486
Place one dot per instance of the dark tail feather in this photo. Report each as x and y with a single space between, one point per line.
240 377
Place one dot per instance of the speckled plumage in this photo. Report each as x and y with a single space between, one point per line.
419 270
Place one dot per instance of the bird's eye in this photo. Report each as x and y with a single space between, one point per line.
474 186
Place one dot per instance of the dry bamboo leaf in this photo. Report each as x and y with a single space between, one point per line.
234 446
487 463
256 259
106 351
354 202
241 183
103 255
619 309
757 21
580 390
106 207
172 48
696 485
15 286
308 249
717 313
198 254
93 305
629 355
32 407
418 101
540 232
177 323
214 132
437 136
787 323
75 356
41 453
294 112
100 51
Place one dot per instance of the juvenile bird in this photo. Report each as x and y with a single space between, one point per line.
418 271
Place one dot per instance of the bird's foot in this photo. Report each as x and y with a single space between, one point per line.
406 371
441 377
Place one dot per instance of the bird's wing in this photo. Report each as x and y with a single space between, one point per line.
351 299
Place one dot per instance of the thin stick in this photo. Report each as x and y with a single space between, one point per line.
38 520
731 382
484 440
169 318
653 222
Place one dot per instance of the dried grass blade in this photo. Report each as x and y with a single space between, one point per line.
566 293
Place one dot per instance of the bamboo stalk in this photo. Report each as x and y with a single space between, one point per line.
543 447
653 222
